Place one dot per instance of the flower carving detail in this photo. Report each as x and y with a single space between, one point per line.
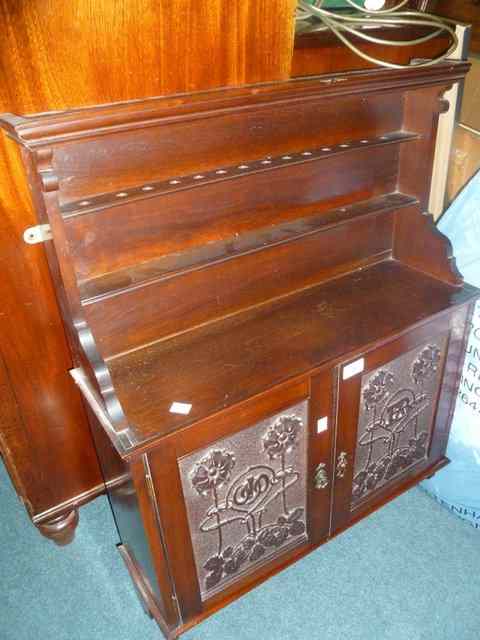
378 387
212 471
426 365
248 511
282 436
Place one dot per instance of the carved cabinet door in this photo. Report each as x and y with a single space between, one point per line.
247 491
391 428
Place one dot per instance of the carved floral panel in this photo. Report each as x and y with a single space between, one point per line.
246 498
395 423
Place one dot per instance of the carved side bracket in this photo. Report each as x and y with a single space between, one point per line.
99 369
419 244
43 160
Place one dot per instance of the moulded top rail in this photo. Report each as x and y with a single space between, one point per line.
47 128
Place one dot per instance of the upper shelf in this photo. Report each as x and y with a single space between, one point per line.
226 172
272 343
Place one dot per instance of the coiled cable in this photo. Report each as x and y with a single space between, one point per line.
343 25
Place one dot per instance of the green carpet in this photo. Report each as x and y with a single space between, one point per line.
409 572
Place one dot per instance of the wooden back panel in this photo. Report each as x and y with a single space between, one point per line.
196 141
220 205
166 306
177 212
127 234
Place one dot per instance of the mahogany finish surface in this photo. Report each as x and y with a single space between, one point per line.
125 52
269 329
122 51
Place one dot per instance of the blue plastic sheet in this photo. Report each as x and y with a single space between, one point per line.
458 485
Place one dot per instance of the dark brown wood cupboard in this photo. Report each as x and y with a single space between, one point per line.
268 328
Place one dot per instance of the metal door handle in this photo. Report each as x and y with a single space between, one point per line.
321 477
342 463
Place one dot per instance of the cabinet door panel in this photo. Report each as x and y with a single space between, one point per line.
235 493
386 419
245 497
395 422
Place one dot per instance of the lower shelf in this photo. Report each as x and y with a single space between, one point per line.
272 343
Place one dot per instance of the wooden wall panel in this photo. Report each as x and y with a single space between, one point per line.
56 54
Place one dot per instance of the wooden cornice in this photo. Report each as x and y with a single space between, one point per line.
54 127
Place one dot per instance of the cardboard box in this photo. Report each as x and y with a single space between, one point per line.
470 114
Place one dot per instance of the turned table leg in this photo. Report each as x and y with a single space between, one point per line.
60 529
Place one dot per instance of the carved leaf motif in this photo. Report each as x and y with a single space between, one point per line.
273 536
241 555
257 552
213 579
231 566
426 365
249 542
214 563
295 515
296 528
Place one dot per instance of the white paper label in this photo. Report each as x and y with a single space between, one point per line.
180 407
322 424
374 5
353 368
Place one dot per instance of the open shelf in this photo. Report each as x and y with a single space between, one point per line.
273 342
170 265
228 172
